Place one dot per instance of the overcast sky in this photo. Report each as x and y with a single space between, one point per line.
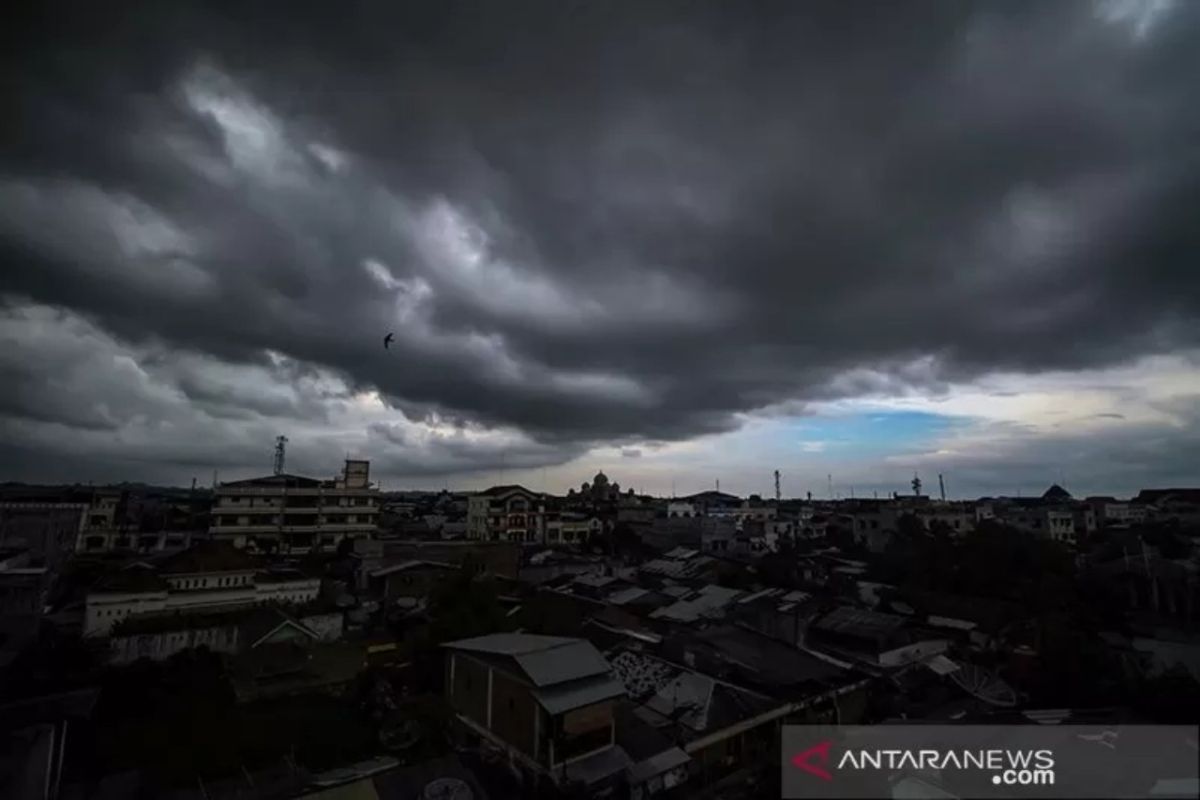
682 242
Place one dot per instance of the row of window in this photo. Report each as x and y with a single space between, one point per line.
299 502
270 522
204 583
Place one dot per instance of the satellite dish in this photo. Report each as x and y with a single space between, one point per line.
984 685
448 789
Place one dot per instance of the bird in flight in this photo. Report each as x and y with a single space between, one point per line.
387 340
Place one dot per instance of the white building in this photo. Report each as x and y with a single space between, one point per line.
681 508
1056 524
210 577
507 514
292 514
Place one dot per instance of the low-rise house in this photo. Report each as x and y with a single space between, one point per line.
408 582
872 639
280 657
24 589
708 603
47 531
548 702
502 559
720 725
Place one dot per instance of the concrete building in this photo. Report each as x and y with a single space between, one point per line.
507 514
213 576
547 701
48 531
1053 523
291 514
571 527
498 558
682 508
160 636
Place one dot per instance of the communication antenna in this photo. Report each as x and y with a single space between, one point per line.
280 453
916 485
777 493
942 486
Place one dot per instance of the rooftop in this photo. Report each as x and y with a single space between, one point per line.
208 556
283 480
497 491
137 577
545 660
407 565
859 623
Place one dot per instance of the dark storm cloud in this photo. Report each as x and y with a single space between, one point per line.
602 222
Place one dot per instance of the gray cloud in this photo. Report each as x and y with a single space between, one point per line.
586 222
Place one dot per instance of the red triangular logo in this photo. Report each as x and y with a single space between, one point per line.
819 754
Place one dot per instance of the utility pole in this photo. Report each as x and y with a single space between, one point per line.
778 496
942 486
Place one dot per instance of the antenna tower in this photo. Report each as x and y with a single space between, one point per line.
778 496
916 485
942 486
280 453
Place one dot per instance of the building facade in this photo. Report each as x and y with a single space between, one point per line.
507 514
296 515
211 577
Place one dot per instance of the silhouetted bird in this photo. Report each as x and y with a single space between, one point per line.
387 340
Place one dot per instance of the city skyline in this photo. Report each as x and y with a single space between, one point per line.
948 238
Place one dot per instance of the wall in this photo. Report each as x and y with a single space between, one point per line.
415 581
513 711
164 644
107 609
467 686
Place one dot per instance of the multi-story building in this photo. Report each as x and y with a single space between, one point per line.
547 701
291 514
571 527
1056 524
507 514
211 577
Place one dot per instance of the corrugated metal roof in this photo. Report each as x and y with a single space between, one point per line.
509 644
545 660
624 596
577 694
941 665
579 659
681 553
859 622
